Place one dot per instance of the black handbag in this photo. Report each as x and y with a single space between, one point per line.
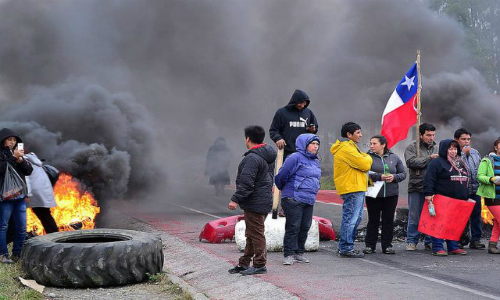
52 172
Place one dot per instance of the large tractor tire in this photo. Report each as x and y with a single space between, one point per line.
92 258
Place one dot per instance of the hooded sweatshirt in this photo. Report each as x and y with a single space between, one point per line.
289 122
444 179
350 167
41 187
299 177
254 181
23 168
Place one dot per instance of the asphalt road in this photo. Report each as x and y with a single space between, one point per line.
406 275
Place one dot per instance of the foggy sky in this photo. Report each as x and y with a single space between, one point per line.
122 92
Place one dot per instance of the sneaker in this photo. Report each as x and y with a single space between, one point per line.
351 254
476 245
389 250
368 250
254 271
300 258
237 269
6 260
289 260
458 252
411 247
440 253
428 247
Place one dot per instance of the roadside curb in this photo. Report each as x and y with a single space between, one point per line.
186 287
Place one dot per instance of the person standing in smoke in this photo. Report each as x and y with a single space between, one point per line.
217 162
15 208
472 158
417 165
254 184
291 121
350 174
42 194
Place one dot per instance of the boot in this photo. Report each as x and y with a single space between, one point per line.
492 248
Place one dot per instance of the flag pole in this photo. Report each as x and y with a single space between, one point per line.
419 89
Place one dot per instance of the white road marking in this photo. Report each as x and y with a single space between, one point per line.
449 284
198 211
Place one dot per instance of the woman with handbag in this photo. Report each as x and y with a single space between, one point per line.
12 204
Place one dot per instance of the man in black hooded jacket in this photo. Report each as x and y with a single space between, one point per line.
254 184
291 121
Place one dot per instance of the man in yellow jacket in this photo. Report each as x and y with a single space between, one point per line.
350 174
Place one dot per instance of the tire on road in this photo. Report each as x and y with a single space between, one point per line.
92 258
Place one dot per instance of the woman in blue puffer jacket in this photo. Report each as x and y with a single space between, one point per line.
299 181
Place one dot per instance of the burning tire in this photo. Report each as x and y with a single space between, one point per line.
92 258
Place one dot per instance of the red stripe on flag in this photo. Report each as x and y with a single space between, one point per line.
397 123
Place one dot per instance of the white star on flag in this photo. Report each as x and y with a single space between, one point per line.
408 82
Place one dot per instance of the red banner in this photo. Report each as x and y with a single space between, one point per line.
450 220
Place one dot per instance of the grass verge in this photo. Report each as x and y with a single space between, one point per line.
11 287
165 285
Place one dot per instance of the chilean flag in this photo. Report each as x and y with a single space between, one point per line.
400 113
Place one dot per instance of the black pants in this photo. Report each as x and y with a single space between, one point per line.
298 222
376 207
48 222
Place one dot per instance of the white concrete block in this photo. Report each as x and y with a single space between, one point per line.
274 232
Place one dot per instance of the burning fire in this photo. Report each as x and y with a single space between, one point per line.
486 214
74 210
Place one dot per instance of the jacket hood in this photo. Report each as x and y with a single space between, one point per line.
6 132
266 152
298 97
339 144
303 141
443 149
32 158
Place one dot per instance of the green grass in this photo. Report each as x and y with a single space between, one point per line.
165 285
10 286
327 183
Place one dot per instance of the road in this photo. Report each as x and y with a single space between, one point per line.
408 275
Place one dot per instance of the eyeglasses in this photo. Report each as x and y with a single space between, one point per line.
315 143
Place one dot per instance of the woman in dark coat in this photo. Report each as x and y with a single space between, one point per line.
447 175
217 163
14 208
384 205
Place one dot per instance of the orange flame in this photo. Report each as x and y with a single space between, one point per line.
486 214
72 207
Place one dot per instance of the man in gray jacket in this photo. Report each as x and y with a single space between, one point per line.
417 165
472 158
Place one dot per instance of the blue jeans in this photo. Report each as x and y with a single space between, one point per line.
352 214
437 244
298 221
415 204
476 222
17 210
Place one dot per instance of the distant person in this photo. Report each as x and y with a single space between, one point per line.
42 198
350 174
417 166
216 166
291 121
447 176
472 158
16 207
253 194
488 176
299 182
388 168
